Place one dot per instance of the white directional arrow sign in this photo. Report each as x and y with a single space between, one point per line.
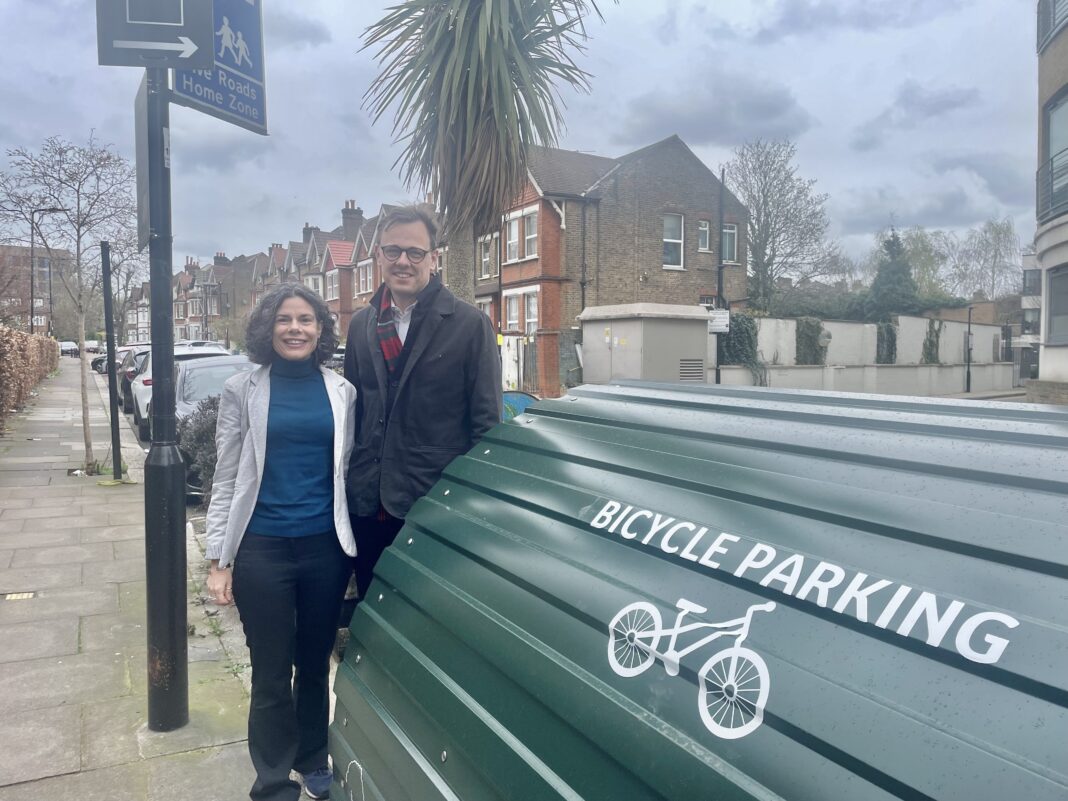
185 46
155 33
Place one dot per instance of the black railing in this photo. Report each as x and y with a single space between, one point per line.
1052 14
1052 187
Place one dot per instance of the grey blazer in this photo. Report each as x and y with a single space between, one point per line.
241 443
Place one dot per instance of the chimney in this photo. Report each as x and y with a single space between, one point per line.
220 258
308 232
191 265
351 220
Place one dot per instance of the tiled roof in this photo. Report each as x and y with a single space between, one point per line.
341 252
566 172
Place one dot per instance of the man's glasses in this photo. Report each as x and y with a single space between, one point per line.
393 252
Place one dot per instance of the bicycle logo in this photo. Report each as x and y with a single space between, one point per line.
733 683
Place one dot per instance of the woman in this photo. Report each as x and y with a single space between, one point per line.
278 531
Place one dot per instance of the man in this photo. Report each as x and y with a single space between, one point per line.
428 382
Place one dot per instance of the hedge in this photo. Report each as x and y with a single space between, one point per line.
25 359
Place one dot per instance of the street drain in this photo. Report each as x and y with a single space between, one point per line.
19 596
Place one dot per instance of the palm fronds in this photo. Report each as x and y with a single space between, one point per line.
473 83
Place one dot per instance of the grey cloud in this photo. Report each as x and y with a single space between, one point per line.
946 207
667 29
286 29
913 105
1009 178
222 155
725 108
800 17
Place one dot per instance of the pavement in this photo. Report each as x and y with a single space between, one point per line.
73 667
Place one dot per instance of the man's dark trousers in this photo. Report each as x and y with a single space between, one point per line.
373 535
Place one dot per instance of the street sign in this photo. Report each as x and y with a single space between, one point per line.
233 88
719 321
154 33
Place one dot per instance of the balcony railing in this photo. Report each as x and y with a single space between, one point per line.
1052 14
1052 187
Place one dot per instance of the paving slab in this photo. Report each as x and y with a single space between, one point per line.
113 572
44 683
11 526
36 538
121 783
110 633
31 579
61 520
5 559
64 555
130 549
16 503
58 603
117 732
38 744
111 533
23 641
213 773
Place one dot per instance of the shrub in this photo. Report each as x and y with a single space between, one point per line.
740 347
196 441
25 359
930 342
886 344
809 349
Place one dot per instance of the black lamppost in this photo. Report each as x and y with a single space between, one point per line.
33 262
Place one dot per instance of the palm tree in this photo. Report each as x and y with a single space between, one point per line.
473 82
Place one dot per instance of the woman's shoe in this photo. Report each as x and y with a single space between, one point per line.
317 783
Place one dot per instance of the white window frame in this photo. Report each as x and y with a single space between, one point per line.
486 307
530 220
730 255
332 285
680 241
511 241
511 312
704 236
530 324
485 255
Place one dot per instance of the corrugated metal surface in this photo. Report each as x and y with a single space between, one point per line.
897 571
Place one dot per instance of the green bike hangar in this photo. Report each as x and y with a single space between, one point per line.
654 591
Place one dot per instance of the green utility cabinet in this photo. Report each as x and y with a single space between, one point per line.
653 591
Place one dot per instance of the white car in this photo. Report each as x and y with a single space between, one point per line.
141 386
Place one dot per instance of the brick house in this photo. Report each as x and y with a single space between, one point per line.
337 267
15 287
594 231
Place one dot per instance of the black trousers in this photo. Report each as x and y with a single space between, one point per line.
288 591
373 535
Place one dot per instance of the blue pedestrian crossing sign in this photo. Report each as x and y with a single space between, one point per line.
233 90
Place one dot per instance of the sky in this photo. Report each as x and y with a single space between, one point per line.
905 112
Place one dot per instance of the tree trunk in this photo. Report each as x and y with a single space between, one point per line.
83 373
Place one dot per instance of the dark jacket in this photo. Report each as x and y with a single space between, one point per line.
447 396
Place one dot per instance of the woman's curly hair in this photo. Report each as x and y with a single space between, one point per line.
260 330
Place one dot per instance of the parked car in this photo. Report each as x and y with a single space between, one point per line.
93 346
336 361
127 371
141 386
100 363
197 380
68 348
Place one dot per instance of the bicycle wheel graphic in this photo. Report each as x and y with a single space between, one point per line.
732 706
633 636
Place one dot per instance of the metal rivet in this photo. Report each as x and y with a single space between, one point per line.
410 540
381 596
447 491
358 658
485 451
444 755
345 721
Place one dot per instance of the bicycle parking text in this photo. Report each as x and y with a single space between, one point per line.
826 584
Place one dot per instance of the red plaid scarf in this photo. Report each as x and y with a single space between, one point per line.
388 338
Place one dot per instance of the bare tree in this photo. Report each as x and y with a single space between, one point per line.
129 269
787 220
94 187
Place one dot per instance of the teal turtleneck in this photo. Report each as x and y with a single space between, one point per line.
297 490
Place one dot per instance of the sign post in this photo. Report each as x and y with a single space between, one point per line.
232 88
